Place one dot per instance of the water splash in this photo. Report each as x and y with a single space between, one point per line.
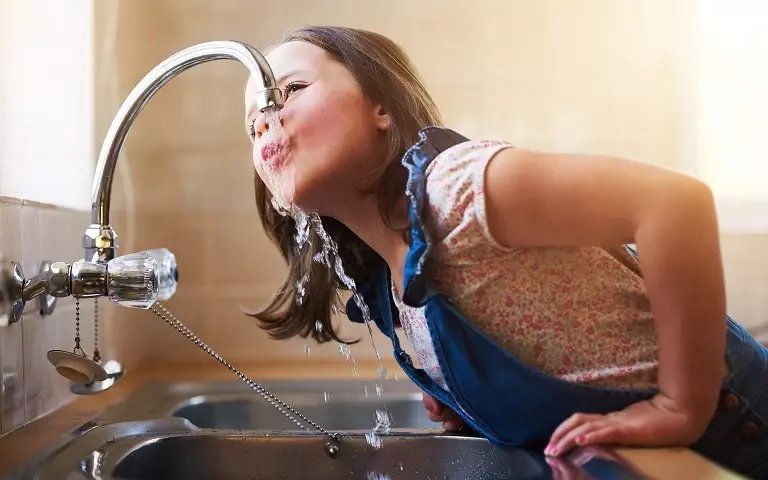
280 175
306 349
331 250
346 352
301 290
374 440
383 421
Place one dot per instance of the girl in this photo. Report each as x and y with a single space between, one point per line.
507 269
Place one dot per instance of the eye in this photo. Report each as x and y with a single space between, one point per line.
292 88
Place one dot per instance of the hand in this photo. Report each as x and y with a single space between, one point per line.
440 413
659 421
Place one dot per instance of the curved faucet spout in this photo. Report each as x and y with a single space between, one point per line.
100 240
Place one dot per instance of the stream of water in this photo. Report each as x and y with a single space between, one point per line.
281 179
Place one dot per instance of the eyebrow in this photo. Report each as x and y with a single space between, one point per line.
280 80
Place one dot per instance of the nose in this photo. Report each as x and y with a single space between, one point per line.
266 122
260 125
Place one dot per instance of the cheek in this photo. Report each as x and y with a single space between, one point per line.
330 123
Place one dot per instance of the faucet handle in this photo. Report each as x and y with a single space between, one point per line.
167 273
132 280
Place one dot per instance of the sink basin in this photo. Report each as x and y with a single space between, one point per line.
334 405
294 457
223 430
251 412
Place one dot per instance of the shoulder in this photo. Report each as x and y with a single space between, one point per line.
463 157
455 183
458 168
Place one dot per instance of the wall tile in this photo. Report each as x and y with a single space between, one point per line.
29 233
11 337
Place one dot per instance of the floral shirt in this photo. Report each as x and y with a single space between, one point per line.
581 314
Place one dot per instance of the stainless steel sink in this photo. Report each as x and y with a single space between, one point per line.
405 456
194 430
336 405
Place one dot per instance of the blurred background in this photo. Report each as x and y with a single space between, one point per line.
678 83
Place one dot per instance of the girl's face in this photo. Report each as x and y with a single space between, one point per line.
331 139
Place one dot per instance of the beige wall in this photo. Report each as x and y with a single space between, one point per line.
592 75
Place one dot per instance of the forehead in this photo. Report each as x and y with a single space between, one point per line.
289 58
294 56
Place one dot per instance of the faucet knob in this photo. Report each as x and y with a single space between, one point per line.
167 273
133 280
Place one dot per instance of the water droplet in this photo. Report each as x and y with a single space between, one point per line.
383 421
306 349
318 326
366 390
325 396
301 290
379 389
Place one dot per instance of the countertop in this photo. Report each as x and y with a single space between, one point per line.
21 444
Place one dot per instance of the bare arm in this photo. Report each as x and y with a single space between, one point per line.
539 199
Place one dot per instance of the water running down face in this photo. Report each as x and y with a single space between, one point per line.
319 150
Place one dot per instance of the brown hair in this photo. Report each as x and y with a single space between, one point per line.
386 76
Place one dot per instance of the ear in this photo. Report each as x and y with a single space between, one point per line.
382 118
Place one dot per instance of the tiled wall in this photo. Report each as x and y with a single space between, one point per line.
30 233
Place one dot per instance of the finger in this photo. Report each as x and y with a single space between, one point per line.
445 415
572 422
453 425
611 433
568 441
437 418
432 405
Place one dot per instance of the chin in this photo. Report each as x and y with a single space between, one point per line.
314 196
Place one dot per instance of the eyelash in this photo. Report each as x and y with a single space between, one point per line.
286 94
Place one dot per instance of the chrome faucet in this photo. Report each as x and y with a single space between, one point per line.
136 280
100 240
140 279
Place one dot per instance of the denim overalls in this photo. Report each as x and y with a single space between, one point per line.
511 403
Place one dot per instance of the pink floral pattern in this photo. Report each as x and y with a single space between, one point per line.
581 314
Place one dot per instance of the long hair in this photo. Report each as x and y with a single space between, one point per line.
385 76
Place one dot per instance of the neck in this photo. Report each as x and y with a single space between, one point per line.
366 222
